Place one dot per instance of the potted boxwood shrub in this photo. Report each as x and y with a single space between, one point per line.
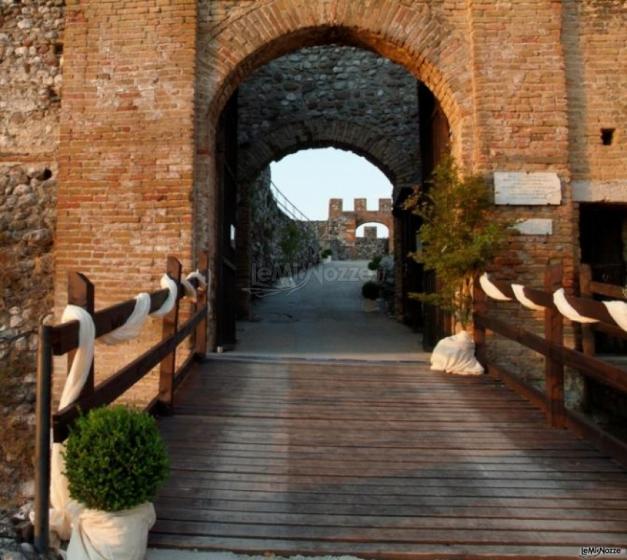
115 463
327 255
375 263
370 292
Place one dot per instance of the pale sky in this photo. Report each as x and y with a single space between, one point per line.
309 178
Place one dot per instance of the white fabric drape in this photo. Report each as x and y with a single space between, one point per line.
491 290
201 279
618 311
190 291
168 304
103 535
62 505
519 292
456 354
566 309
133 325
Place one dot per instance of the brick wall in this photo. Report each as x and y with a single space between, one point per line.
126 154
279 245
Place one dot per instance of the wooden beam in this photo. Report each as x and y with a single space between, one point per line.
601 371
588 344
81 292
554 335
200 342
64 337
480 307
118 383
170 326
608 290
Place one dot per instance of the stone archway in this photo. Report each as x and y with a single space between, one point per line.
271 30
259 34
142 96
390 158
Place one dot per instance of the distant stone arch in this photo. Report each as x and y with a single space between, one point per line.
339 231
368 227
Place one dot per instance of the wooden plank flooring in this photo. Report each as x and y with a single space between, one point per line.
377 460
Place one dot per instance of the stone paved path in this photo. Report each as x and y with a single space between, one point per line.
324 316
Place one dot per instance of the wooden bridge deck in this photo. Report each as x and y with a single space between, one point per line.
389 461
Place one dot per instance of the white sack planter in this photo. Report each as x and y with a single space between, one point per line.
103 535
456 354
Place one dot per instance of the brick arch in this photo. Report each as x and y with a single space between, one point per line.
388 157
432 46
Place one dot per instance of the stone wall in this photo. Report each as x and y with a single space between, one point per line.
368 246
31 56
280 246
330 95
31 49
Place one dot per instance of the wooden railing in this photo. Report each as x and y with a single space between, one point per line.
589 289
556 355
57 340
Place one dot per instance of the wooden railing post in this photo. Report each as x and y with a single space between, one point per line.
480 307
588 343
42 440
170 326
81 292
554 334
200 337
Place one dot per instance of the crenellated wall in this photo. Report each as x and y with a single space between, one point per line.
339 231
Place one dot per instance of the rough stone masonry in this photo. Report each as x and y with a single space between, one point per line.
31 49
126 142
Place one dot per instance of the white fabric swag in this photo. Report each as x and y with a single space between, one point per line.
566 309
491 290
168 304
456 354
519 292
618 311
133 325
63 507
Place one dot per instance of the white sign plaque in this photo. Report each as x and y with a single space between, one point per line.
520 188
535 226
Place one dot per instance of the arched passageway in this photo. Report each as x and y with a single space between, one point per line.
329 95
137 159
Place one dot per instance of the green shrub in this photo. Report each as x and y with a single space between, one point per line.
115 459
375 263
462 232
326 253
370 290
